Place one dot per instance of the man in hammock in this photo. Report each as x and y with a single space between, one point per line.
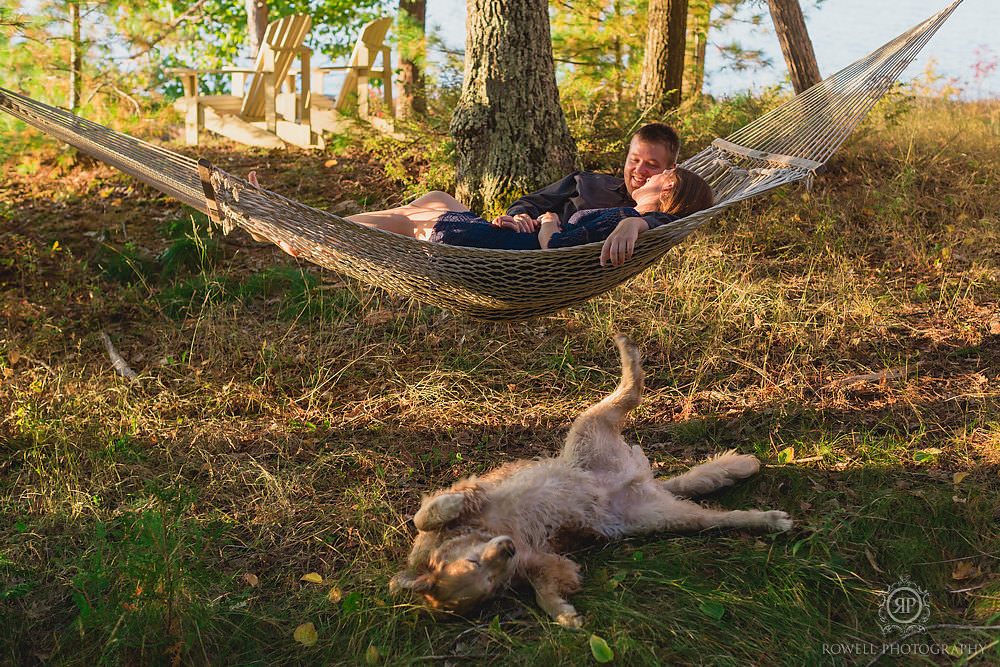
652 150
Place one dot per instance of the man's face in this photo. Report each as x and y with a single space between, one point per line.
645 159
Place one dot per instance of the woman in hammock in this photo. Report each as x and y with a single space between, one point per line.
440 218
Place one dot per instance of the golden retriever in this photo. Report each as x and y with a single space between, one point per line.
485 533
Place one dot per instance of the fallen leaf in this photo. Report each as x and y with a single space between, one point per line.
335 595
600 649
372 654
786 455
313 578
712 610
964 570
958 477
305 634
251 579
379 317
871 560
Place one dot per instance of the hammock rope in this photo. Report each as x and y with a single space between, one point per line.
789 144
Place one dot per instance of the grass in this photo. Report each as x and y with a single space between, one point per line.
287 421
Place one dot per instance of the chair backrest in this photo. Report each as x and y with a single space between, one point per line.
282 41
372 40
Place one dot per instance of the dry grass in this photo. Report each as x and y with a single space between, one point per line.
288 420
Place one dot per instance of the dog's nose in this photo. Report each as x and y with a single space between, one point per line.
506 545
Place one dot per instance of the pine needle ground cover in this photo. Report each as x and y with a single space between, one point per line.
248 498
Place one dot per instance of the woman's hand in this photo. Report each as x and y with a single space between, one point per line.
548 224
620 244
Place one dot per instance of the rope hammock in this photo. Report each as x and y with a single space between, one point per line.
789 144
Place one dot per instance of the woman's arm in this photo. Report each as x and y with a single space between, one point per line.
620 244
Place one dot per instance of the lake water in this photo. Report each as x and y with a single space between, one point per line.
841 32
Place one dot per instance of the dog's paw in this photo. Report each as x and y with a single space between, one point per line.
570 620
439 510
738 466
778 521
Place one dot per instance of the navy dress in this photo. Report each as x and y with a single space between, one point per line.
586 226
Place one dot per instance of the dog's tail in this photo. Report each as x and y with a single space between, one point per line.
605 419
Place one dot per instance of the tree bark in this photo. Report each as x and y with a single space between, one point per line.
412 57
795 43
699 12
75 57
663 62
509 130
256 24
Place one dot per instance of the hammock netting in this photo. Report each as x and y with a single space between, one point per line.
789 144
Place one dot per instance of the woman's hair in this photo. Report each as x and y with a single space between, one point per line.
690 194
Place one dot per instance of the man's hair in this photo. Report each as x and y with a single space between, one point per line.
690 194
660 133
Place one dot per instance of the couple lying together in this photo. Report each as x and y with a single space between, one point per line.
583 207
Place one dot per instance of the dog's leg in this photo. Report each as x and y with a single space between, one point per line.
720 472
553 577
595 441
656 511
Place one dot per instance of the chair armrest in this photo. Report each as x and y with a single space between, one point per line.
187 71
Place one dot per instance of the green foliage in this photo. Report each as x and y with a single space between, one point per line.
193 246
125 264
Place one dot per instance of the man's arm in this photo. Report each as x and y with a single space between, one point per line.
550 198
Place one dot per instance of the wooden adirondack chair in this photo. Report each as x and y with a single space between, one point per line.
252 114
360 71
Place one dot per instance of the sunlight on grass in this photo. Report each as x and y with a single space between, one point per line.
287 421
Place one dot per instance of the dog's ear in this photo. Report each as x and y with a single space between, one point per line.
407 580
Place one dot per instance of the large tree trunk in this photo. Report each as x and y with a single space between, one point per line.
256 24
699 13
412 56
795 44
510 132
75 57
663 63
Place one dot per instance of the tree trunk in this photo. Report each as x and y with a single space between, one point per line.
412 57
256 24
510 132
663 63
699 13
75 57
795 44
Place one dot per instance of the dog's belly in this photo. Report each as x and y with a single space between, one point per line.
539 501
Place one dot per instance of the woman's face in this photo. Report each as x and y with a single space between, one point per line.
649 194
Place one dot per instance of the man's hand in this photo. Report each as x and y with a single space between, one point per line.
522 222
620 244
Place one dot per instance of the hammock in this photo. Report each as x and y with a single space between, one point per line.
789 144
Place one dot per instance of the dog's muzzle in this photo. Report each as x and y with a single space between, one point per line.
501 546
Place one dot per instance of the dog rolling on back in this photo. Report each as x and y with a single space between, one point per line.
485 533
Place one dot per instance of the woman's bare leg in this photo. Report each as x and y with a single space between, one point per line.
415 219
